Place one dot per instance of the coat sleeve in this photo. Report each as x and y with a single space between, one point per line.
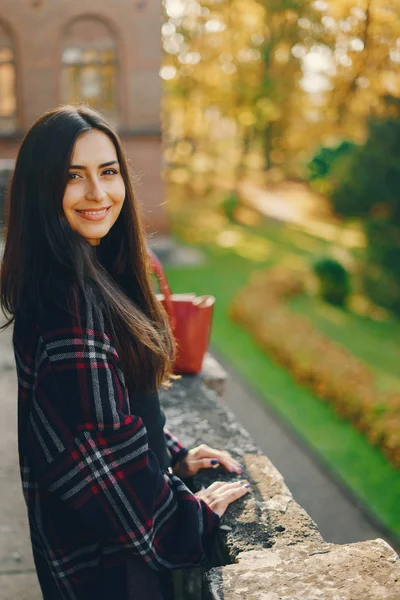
91 452
175 448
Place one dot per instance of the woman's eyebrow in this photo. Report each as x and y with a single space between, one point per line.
106 164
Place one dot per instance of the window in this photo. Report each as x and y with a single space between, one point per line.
90 68
8 96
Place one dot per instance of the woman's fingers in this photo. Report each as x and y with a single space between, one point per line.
192 464
220 494
213 491
224 458
235 492
230 465
203 463
217 485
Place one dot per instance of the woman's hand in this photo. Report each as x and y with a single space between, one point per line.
204 457
220 494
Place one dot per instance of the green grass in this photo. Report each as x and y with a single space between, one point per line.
377 343
362 468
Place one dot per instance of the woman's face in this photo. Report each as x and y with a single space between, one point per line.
95 190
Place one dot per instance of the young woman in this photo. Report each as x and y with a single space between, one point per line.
108 514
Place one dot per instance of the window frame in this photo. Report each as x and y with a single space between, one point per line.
113 115
14 119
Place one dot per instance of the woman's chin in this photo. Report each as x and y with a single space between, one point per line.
93 234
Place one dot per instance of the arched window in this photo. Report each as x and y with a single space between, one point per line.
89 60
8 94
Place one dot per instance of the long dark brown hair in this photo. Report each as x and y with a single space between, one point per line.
42 250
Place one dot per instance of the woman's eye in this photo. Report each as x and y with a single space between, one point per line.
73 175
110 172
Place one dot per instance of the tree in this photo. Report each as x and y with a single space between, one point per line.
366 186
283 76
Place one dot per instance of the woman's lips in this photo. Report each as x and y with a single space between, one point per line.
94 215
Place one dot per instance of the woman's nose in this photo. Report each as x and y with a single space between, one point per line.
94 190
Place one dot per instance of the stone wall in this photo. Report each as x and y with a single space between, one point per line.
267 548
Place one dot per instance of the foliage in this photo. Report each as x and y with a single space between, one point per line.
381 287
334 280
246 77
368 183
323 160
230 204
367 186
333 373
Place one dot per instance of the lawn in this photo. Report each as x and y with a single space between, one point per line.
377 343
361 467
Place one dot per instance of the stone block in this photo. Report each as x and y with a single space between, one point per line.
271 548
213 375
362 571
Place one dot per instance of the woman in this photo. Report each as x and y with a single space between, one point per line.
107 513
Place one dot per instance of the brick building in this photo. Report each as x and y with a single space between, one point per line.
104 52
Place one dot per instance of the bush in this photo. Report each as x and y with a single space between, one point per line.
368 180
229 205
382 288
334 281
314 360
366 186
323 160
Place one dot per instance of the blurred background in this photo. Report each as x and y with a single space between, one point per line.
264 137
282 169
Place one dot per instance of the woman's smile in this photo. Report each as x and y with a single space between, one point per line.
94 214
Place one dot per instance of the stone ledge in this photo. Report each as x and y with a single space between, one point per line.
213 375
363 571
266 517
275 547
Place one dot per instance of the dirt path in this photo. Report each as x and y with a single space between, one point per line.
295 204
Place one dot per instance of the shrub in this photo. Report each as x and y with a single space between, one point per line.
334 281
382 288
369 178
315 361
381 273
229 205
366 185
323 160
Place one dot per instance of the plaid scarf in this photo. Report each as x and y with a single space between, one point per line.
95 491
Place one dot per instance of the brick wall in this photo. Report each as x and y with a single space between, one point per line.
38 28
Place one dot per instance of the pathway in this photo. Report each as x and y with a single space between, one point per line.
295 204
17 574
338 516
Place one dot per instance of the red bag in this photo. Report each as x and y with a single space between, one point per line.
190 318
